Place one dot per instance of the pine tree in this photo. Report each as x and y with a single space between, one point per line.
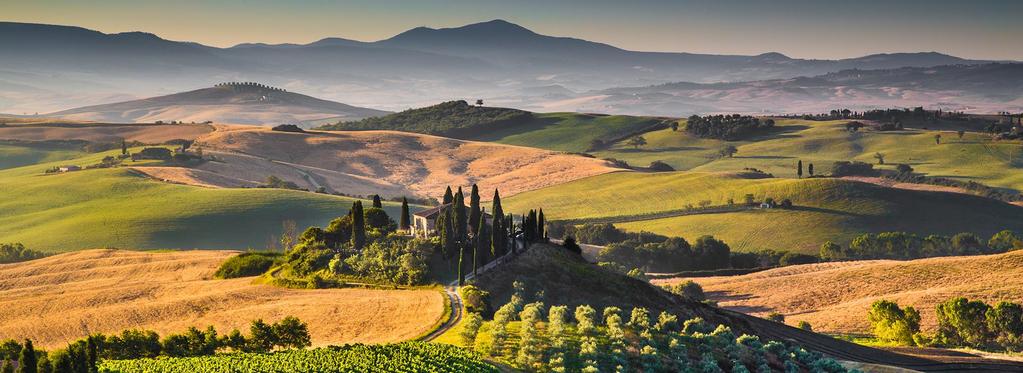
406 221
799 169
541 235
27 361
376 202
474 209
358 226
448 197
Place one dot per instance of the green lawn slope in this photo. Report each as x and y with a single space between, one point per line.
16 153
119 207
825 209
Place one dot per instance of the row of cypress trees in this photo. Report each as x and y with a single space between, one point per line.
468 238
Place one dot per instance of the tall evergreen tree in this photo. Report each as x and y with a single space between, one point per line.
461 267
461 218
529 226
499 235
481 255
406 219
27 361
377 202
509 232
541 234
448 197
809 169
799 169
447 236
358 226
124 147
474 209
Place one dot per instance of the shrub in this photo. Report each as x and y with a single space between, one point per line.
475 299
805 325
893 324
660 166
688 289
962 322
854 168
776 317
247 264
288 128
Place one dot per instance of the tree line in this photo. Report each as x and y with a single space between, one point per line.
961 323
81 356
726 127
903 245
16 252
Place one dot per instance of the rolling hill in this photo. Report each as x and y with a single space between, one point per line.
239 103
825 209
835 297
65 297
571 132
60 66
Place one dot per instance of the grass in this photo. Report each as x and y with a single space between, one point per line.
809 292
826 209
119 207
68 296
570 132
974 157
14 155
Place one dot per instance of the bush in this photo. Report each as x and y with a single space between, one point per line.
776 317
247 264
660 166
689 290
893 324
288 128
569 244
791 258
855 168
805 325
475 299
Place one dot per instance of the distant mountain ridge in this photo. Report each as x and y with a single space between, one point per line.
240 103
493 59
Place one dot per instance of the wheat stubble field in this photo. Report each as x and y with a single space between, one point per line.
835 297
65 297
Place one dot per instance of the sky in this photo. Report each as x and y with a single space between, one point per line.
980 29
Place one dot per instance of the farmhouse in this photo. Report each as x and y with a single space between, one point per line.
424 223
69 168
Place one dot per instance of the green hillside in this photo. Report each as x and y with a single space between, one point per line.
974 157
121 208
570 132
19 153
825 209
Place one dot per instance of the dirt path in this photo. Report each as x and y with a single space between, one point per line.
453 318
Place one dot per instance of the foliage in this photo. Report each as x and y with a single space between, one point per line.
288 128
726 127
273 181
402 357
893 324
854 168
688 289
475 299
962 322
247 264
446 118
16 252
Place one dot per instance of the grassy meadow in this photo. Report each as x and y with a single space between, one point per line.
825 209
17 154
119 207
570 132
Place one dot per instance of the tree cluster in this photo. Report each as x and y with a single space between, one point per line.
454 118
726 127
961 323
16 252
903 245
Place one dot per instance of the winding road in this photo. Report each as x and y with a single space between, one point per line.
453 318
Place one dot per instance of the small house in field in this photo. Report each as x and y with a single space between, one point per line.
69 168
424 223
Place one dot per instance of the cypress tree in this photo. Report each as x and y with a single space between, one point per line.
799 169
358 226
541 235
91 354
27 361
406 220
6 366
809 169
461 271
499 235
474 209
509 232
448 197
124 147
376 201
461 218
445 232
481 255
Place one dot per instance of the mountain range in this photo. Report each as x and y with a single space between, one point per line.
49 67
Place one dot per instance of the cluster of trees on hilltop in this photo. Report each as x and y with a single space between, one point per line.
961 323
81 356
453 118
584 339
902 245
16 252
726 127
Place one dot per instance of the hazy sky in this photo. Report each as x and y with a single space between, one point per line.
989 29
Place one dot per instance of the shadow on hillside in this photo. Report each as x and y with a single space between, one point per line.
658 150
826 211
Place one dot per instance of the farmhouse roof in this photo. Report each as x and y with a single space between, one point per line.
431 211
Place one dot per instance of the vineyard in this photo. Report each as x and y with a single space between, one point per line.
401 357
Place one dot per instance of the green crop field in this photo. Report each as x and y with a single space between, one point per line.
825 209
119 207
570 132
